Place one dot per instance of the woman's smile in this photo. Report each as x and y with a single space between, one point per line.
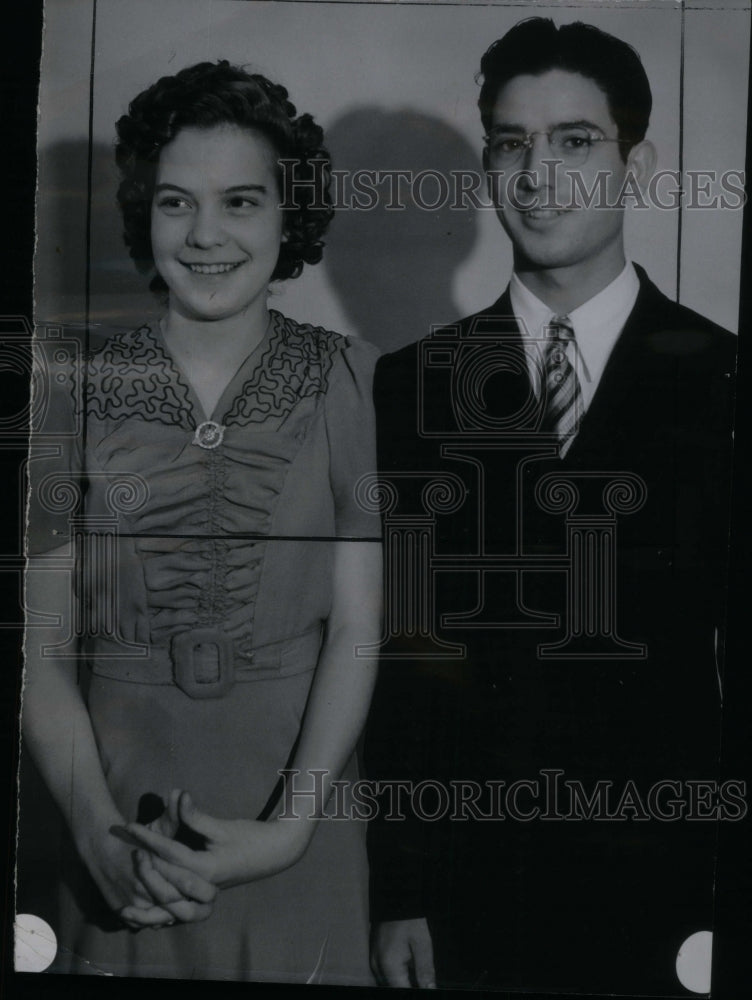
213 269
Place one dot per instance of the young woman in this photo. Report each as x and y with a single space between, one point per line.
244 577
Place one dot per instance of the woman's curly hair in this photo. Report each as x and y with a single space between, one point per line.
204 96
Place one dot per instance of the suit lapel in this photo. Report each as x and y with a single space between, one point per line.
634 388
491 387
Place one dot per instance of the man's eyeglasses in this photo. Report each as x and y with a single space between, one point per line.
569 143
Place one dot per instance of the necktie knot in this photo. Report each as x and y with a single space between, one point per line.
560 328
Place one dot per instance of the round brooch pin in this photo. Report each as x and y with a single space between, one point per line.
209 434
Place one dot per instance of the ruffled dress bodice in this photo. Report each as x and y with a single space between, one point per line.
196 535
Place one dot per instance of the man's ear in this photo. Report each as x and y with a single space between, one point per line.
642 161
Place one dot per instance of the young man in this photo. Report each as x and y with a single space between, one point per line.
565 748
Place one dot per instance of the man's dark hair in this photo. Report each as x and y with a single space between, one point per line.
204 96
536 45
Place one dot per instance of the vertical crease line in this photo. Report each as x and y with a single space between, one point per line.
82 375
681 151
89 185
89 172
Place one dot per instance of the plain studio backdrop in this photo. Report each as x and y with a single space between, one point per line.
393 86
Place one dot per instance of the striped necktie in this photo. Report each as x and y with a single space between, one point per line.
563 411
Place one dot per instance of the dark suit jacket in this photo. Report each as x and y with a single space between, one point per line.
600 903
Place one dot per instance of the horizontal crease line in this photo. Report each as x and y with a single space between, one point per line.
240 536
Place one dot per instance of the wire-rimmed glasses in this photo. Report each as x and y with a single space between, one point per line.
569 143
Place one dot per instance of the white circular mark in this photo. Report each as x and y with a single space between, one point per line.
694 960
35 943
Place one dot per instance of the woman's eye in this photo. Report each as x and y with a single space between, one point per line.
242 203
173 204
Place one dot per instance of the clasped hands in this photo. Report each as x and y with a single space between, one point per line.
178 883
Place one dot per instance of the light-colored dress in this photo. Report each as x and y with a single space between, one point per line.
206 627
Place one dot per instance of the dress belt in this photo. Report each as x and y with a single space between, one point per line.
205 662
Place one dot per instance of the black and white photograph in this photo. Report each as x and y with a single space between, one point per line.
374 548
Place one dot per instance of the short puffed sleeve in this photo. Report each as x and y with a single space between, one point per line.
55 466
351 431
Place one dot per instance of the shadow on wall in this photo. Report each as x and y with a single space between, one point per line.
119 296
392 268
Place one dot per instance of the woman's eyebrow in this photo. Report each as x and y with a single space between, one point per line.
166 186
170 187
261 188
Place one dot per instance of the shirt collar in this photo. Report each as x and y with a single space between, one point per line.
597 323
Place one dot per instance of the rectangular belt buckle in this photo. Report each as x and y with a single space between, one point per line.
202 663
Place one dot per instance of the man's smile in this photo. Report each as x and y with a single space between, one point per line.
541 215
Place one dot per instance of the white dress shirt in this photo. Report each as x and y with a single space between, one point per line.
597 324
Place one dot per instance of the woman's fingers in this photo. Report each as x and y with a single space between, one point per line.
154 916
180 895
188 911
184 912
190 884
173 807
164 847
137 917
201 822
169 883
168 822
162 891
143 902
